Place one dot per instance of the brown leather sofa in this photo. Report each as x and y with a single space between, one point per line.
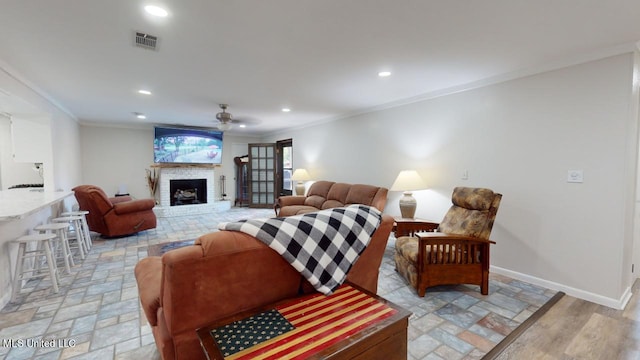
225 273
327 194
117 216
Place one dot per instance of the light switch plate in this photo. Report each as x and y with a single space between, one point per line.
575 176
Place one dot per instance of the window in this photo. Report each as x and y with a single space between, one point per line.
285 166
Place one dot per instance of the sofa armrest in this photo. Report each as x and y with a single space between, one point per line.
364 272
288 200
133 206
291 200
148 272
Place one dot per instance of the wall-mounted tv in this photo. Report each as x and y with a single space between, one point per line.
187 145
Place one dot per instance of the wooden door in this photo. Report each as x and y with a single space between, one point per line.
262 175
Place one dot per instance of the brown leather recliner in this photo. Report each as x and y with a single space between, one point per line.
116 216
328 194
223 274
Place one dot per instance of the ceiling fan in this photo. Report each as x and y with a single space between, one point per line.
224 118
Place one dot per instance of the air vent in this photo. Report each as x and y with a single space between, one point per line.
146 41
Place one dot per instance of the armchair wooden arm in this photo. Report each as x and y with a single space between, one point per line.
452 259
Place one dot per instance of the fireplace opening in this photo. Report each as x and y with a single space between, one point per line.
188 191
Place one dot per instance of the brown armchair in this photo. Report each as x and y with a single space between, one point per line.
458 253
116 216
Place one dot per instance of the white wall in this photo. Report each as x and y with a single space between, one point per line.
519 138
113 156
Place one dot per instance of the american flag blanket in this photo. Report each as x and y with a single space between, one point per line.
322 245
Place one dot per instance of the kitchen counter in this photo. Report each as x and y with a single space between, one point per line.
18 203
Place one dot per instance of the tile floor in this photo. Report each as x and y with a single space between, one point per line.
97 315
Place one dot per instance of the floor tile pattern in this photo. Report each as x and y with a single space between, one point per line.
97 315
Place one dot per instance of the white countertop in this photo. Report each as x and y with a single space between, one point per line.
18 203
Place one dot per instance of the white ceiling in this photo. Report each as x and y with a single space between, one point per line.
320 58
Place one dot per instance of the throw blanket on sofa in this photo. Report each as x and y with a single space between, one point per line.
322 245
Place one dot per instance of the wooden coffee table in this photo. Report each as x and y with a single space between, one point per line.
349 324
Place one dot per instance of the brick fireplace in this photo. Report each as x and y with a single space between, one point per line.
187 178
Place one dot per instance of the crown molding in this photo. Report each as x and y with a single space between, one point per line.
5 68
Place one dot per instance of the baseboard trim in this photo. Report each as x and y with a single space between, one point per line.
618 304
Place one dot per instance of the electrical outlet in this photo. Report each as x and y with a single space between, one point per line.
575 176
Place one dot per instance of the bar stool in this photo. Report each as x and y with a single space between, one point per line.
60 229
76 224
43 249
85 226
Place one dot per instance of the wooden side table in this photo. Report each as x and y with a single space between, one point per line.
349 324
408 227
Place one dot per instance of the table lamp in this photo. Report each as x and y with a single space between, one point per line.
300 175
407 181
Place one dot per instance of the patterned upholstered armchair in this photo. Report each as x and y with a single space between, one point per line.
458 252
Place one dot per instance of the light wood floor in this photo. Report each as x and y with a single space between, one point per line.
578 329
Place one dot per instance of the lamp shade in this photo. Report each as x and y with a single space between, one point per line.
300 175
408 180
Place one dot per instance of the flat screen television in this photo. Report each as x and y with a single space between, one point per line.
187 145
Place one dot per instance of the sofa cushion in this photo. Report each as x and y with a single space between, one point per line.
317 194
338 192
361 194
320 188
296 210
315 201
336 196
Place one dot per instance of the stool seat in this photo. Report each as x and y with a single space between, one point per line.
43 250
50 226
34 237
85 226
77 212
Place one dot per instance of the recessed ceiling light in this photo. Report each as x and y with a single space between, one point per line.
140 115
243 125
156 11
384 73
144 92
286 109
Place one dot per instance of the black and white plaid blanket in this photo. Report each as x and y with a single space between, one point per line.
322 245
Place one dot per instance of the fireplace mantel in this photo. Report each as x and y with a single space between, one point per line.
184 165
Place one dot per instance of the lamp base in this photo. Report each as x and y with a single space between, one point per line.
300 188
408 205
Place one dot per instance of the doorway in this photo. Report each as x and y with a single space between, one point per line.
284 165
